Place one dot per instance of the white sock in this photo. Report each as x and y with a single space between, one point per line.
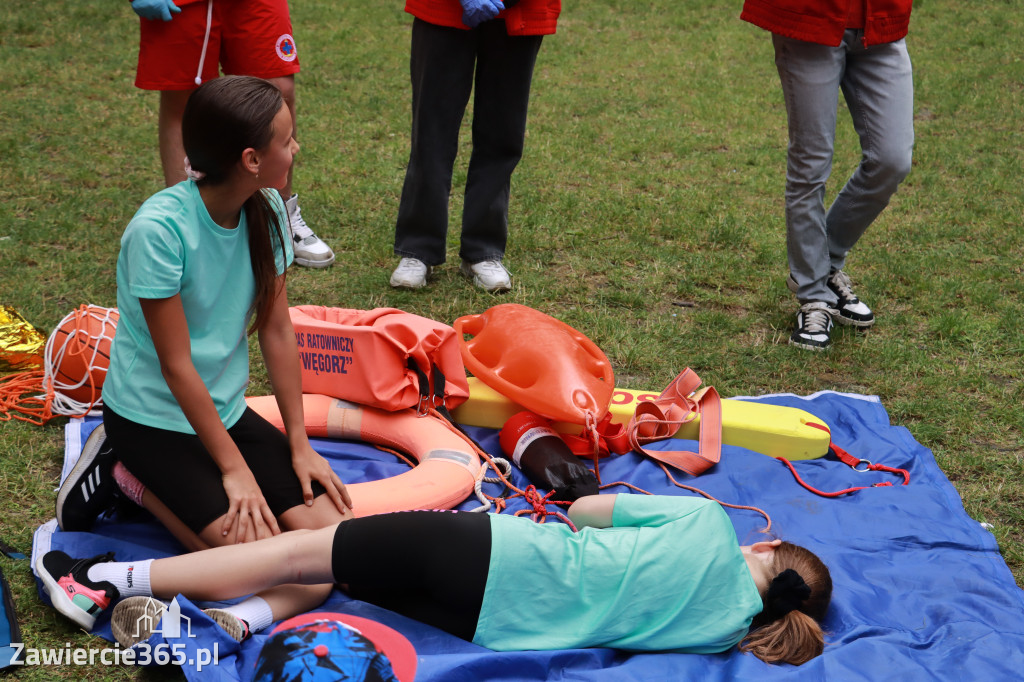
131 578
255 611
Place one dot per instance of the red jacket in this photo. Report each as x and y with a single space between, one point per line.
525 18
823 21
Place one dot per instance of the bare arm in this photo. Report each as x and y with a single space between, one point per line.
165 318
281 355
593 510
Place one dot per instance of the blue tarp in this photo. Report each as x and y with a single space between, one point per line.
921 591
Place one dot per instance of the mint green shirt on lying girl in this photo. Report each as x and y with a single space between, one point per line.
667 576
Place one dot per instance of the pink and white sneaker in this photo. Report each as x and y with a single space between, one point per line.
66 581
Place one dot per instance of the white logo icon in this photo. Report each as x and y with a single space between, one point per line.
166 621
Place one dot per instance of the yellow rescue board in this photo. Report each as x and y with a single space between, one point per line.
772 430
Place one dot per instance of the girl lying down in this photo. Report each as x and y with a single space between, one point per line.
643 573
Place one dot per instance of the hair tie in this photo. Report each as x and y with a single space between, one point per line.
193 175
786 593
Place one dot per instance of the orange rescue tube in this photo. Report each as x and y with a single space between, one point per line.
447 466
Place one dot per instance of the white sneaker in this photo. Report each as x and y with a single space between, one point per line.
135 619
310 250
236 628
489 275
411 273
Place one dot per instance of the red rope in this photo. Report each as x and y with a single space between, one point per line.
538 504
767 518
539 512
398 454
17 401
852 462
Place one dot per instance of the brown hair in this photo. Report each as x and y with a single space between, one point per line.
222 118
795 636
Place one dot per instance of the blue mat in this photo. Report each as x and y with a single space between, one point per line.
921 591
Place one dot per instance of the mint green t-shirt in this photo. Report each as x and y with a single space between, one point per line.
668 576
173 246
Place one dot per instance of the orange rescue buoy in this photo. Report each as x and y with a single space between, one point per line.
538 362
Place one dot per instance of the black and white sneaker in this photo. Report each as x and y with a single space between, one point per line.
90 488
813 326
851 310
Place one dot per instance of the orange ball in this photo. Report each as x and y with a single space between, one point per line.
78 352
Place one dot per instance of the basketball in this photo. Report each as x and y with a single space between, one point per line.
78 352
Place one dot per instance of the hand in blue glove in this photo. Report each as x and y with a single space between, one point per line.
475 12
155 9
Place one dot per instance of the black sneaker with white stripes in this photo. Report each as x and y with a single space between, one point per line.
90 488
813 326
851 310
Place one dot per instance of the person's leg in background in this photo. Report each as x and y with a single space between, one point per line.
503 78
258 41
879 90
810 75
441 65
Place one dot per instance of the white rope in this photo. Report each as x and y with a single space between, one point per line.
498 463
206 42
77 341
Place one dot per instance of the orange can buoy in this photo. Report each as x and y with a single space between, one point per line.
538 362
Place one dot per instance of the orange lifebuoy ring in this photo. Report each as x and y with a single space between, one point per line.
447 466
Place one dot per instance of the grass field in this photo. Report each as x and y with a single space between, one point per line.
653 175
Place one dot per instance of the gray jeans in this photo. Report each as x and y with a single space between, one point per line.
878 87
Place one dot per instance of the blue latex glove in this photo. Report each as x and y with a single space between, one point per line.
155 9
476 12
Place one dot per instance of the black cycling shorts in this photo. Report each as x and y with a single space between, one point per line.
428 565
177 468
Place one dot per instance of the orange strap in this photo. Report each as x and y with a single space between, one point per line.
679 404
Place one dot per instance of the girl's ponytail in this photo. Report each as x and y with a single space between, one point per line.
264 230
788 630
794 638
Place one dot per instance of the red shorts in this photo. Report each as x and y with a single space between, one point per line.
247 38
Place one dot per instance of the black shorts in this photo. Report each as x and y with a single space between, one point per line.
177 468
428 565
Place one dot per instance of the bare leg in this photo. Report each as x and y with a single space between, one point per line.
320 514
302 557
285 601
290 600
172 151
